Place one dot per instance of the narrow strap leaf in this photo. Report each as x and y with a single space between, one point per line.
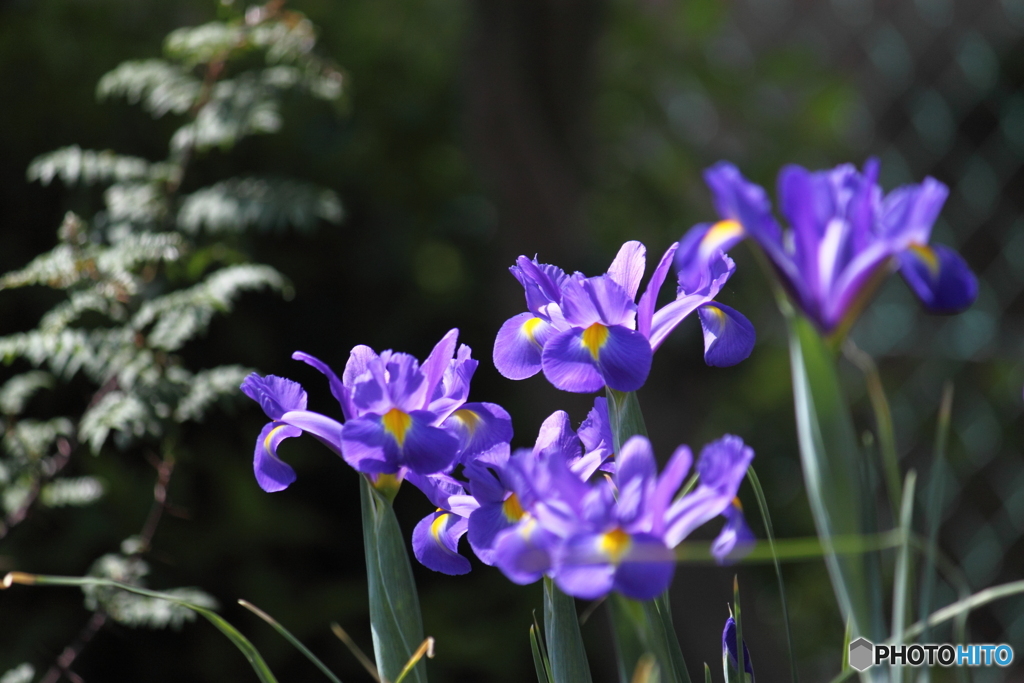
902 573
395 619
567 657
290 638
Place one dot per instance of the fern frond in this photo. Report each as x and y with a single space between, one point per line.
240 203
74 165
161 87
207 387
18 390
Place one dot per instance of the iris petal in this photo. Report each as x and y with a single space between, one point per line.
435 542
524 552
728 335
645 572
271 473
628 267
338 389
276 395
517 348
939 277
479 427
619 357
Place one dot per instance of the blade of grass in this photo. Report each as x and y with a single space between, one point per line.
901 579
795 549
250 652
425 648
707 673
762 504
290 638
356 651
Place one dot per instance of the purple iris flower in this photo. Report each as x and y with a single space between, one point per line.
400 416
845 237
585 333
616 533
730 652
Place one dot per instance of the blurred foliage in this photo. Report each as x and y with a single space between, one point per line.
677 88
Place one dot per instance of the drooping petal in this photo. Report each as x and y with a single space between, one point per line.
586 568
479 427
276 395
435 543
488 521
735 539
427 449
649 299
669 316
645 572
939 277
728 336
518 346
627 269
524 552
383 444
272 474
584 360
338 389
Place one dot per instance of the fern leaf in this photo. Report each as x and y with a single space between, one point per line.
159 86
237 204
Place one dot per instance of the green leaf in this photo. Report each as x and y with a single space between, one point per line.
901 578
625 416
707 673
567 657
540 654
651 622
395 620
161 87
831 464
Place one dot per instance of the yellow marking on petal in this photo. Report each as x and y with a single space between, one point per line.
438 525
470 419
720 232
737 504
266 441
396 423
594 339
926 254
512 508
615 544
718 313
528 329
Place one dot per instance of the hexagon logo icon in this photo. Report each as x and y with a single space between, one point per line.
862 654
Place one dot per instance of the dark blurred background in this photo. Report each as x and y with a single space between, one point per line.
476 130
